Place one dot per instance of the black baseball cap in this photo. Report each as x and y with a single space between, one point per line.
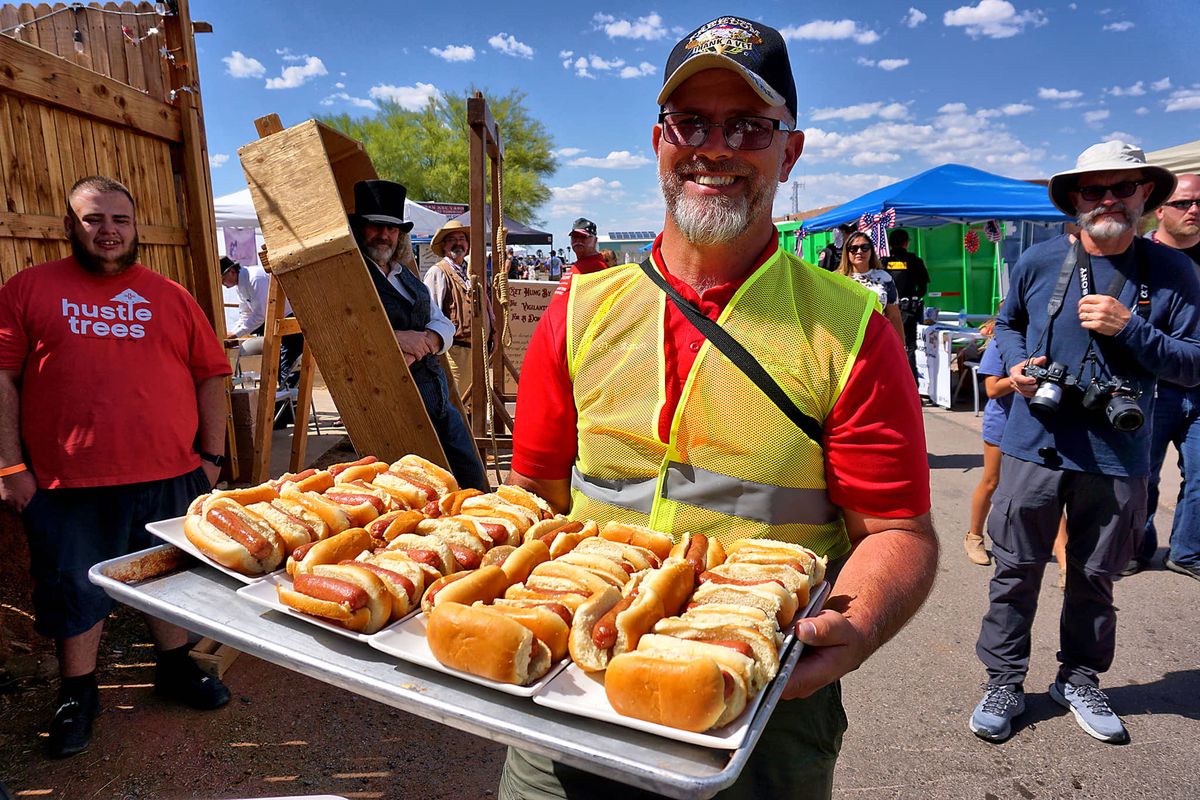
751 49
584 225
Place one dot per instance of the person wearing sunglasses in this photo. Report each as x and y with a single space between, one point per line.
1176 410
861 264
1115 310
649 393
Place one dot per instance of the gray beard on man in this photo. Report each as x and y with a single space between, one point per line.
1108 229
381 254
707 221
98 266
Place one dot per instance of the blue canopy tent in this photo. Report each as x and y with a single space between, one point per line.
948 199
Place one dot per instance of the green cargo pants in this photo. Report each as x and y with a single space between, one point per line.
794 759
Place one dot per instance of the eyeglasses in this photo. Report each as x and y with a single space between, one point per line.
1183 205
1119 190
741 133
859 248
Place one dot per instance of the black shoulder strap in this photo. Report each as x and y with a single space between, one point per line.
740 357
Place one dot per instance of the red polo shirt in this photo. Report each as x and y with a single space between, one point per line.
875 459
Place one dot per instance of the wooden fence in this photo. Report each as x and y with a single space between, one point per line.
121 101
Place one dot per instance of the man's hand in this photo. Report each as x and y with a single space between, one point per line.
17 490
833 646
414 344
1021 382
211 471
1103 314
232 342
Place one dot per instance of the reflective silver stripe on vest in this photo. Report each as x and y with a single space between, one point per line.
771 505
636 494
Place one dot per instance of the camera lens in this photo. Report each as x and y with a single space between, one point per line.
1125 414
1046 399
1096 397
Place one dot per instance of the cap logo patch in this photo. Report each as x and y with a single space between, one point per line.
724 36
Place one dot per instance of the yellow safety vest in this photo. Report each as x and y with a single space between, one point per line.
735 466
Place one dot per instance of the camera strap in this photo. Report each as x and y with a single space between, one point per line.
1142 305
741 358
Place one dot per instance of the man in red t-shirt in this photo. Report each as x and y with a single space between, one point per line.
112 415
724 141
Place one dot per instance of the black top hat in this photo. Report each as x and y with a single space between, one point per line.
228 263
381 202
751 49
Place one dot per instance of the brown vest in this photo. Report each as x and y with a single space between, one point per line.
456 304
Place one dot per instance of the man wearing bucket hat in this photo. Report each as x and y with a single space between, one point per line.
1090 322
450 285
422 330
834 459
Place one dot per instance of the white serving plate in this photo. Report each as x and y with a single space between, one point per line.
171 530
578 692
264 593
406 640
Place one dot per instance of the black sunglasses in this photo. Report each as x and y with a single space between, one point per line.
1183 205
860 248
1120 190
741 133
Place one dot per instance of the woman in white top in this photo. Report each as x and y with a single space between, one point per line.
860 263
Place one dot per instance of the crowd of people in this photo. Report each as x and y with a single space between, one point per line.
625 406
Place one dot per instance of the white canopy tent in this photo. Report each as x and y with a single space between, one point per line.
237 211
1180 159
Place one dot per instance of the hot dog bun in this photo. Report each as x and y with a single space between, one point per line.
339 547
770 597
334 516
770 551
364 617
747 573
523 497
658 543
234 537
546 625
263 493
388 526
487 643
484 584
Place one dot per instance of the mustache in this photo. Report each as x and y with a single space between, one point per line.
729 166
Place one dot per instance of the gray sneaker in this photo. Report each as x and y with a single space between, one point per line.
993 716
1092 711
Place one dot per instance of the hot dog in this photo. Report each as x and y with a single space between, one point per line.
234 537
347 594
742 573
560 534
362 502
769 551
363 469
520 496
310 480
700 552
339 547
658 543
387 527
334 516
485 642
263 493
397 562
770 597
484 584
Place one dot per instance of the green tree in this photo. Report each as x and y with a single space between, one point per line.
427 150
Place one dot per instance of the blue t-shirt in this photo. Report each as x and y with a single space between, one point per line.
1164 346
995 413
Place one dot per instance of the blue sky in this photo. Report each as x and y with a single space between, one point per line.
885 90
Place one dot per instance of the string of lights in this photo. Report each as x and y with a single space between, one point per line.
160 10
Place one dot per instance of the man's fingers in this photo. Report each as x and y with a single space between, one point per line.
825 630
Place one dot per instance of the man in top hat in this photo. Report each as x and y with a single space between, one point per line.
1114 312
651 423
449 284
422 330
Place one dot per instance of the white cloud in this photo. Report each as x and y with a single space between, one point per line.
240 65
575 199
618 159
1161 86
862 61
217 160
339 85
454 52
294 76
891 64
1059 94
1141 111
832 188
649 27
1136 90
1013 109
869 157
914 17
567 152
583 65
1118 27
287 55
565 53
1122 136
508 44
995 19
1099 115
861 111
1184 100
410 98
357 102
953 108
642 69
831 30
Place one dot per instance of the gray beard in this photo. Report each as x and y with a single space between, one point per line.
381 254
1108 230
707 221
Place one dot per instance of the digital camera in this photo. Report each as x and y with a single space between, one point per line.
1117 397
1052 380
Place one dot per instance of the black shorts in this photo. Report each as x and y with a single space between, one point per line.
71 530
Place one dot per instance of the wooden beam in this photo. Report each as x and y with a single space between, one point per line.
201 27
267 125
303 410
268 372
44 77
479 117
31 226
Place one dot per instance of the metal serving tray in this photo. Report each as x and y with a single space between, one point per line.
165 582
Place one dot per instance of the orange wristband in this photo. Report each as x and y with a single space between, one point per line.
13 470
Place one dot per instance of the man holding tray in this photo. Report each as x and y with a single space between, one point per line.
112 415
813 436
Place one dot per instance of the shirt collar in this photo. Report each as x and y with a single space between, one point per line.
720 294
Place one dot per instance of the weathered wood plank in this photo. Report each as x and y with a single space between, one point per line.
40 226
